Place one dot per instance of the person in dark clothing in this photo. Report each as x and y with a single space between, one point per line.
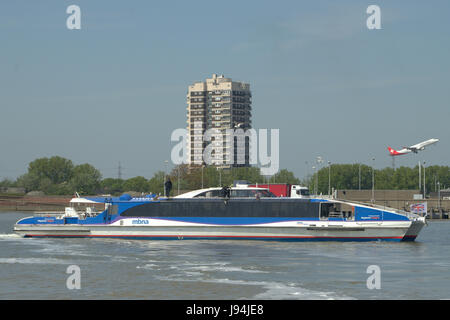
225 192
168 187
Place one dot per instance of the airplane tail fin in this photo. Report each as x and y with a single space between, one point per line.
393 152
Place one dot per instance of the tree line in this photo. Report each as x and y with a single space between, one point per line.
59 176
356 176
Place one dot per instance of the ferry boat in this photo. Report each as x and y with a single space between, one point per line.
249 213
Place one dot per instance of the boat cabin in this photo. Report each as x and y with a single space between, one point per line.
84 208
234 192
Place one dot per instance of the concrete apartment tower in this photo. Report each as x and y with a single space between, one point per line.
223 105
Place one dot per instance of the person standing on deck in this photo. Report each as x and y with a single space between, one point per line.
168 186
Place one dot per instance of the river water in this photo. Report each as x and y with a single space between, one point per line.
224 269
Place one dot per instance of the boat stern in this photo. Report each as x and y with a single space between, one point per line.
417 223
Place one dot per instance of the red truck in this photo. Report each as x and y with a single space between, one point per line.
285 190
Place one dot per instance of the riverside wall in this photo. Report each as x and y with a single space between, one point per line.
399 199
33 203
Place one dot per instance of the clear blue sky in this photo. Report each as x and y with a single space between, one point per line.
116 89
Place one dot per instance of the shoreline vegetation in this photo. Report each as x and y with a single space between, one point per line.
50 183
59 176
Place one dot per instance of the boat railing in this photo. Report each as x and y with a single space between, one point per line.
55 214
61 214
381 207
336 214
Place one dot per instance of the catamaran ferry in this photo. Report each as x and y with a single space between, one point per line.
249 213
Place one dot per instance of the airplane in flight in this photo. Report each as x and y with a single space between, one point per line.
414 148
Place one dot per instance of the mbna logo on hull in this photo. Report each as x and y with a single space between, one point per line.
140 221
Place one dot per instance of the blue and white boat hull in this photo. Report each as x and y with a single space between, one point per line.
296 230
253 219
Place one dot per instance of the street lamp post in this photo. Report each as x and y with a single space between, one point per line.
314 173
424 184
359 177
373 180
439 196
220 176
319 162
178 172
420 179
202 176
307 173
329 178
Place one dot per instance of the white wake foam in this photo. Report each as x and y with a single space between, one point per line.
33 261
274 290
7 236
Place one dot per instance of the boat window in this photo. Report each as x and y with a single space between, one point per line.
213 194
237 194
201 195
88 209
240 193
336 210
209 194
251 193
303 192
264 193
325 209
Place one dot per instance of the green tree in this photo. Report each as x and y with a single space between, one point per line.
112 186
85 179
285 176
251 174
56 169
156 183
138 184
5 183
181 171
49 175
384 179
435 174
346 176
192 178
342 176
29 181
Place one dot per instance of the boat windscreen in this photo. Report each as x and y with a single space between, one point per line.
251 193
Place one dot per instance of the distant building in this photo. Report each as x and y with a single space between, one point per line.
220 104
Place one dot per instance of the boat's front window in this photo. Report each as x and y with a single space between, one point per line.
266 193
87 209
303 192
209 194
237 194
240 193
251 193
